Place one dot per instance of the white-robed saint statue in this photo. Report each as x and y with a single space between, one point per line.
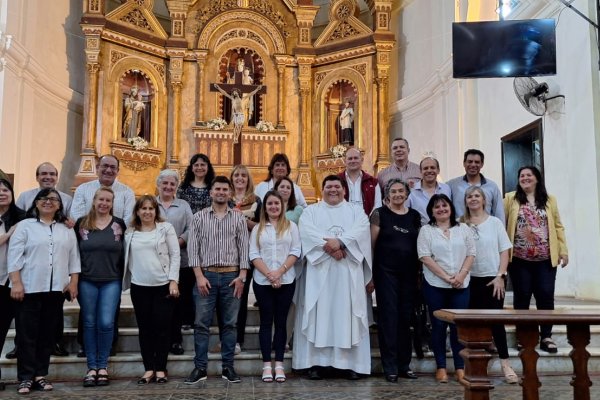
332 325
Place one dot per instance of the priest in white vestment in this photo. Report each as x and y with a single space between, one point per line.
332 327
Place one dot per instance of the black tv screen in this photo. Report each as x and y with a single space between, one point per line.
497 49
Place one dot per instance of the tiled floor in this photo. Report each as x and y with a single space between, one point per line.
555 387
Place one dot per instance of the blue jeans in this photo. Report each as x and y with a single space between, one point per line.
438 298
98 301
220 296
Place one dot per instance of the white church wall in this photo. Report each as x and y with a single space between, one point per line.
42 94
448 116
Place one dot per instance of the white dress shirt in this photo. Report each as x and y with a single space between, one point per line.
44 254
123 202
274 251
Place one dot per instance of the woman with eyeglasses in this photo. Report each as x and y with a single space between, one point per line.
447 250
10 215
488 274
43 266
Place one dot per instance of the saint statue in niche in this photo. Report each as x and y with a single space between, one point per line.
137 95
134 111
347 123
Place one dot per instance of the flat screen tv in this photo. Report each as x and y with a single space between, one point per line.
498 49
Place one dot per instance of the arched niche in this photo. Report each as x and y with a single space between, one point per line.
137 96
117 79
350 77
254 63
338 94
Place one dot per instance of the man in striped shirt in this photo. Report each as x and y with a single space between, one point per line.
218 252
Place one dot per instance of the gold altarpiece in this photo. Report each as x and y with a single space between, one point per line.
153 79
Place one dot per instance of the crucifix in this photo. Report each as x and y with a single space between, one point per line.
240 94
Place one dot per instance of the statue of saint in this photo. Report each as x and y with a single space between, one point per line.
239 108
132 116
346 123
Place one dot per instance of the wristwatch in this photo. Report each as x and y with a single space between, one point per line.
242 279
502 274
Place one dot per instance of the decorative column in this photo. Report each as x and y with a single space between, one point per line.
282 61
305 16
92 25
175 75
304 169
384 43
200 61
176 46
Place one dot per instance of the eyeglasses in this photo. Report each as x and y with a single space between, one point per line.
475 230
50 199
107 166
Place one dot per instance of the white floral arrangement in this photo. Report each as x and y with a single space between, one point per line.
338 151
216 124
138 143
265 126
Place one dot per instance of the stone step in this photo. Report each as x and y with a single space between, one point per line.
248 363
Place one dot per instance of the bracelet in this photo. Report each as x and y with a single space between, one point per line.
285 267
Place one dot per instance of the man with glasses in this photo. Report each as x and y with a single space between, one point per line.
46 176
108 169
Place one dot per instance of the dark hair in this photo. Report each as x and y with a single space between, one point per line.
278 157
189 172
436 198
111 156
292 202
403 139
221 179
474 152
541 195
136 222
14 214
33 212
331 178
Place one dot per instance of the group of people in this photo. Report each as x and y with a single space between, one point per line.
196 247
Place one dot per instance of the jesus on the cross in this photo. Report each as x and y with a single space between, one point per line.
239 107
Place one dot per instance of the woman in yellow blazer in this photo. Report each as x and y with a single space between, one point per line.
539 246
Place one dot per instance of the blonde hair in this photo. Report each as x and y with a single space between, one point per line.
88 222
283 224
466 218
250 185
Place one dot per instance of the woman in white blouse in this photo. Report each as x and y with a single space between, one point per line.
43 263
447 250
152 271
488 275
274 248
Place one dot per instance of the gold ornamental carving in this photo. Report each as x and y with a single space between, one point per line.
94 5
319 76
116 56
135 160
343 30
361 69
258 19
135 17
263 7
242 33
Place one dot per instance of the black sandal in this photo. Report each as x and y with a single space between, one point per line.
24 387
89 380
43 384
146 380
102 379
548 346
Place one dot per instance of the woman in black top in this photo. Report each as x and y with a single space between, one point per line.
10 215
100 238
195 188
394 232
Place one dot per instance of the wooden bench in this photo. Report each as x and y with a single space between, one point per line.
474 332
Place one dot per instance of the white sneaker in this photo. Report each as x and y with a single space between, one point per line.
238 349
